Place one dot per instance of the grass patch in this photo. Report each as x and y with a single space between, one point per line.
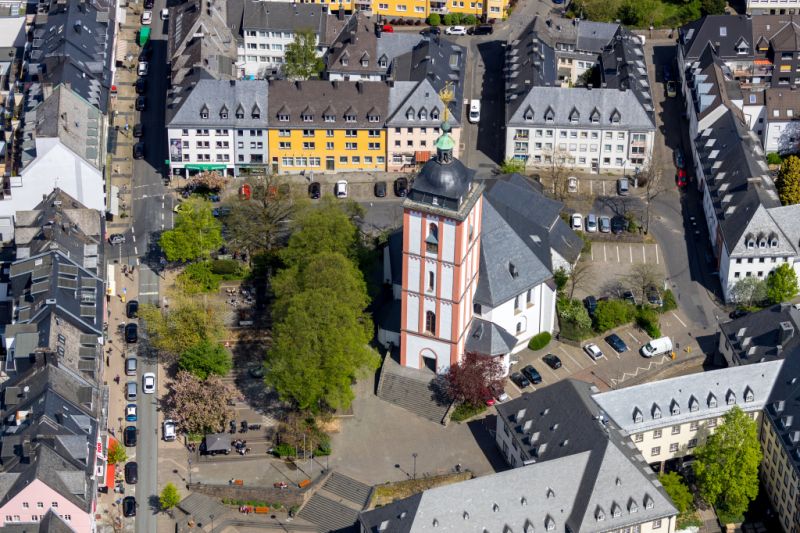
689 519
465 411
668 301
389 492
727 518
194 437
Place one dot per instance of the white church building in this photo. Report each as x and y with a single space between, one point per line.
472 270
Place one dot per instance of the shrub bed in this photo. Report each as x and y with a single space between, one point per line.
465 411
612 313
539 341
647 319
668 301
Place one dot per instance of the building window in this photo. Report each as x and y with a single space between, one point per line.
692 443
430 322
673 447
25 505
676 430
655 450
516 304
431 279
693 426
656 433
712 422
657 524
432 241
639 437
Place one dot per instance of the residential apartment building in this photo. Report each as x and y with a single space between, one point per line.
220 125
765 335
263 30
330 126
53 456
606 128
420 9
578 475
751 233
56 286
472 270
782 132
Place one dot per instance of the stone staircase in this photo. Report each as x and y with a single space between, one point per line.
412 390
348 488
336 504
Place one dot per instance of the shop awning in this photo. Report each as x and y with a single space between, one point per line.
423 156
122 49
208 166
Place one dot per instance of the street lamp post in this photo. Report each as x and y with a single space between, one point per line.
212 522
189 460
414 455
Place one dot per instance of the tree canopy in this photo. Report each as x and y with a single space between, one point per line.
327 228
117 454
727 464
170 497
205 358
788 181
301 59
183 325
319 348
749 291
257 224
196 233
199 406
471 379
782 284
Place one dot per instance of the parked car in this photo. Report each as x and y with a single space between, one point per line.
474 111
499 394
616 342
667 73
149 383
314 190
593 350
520 380
680 161
681 178
657 347
141 103
532 374
130 412
591 223
456 30
552 360
672 89
143 68
380 189
654 297
116 238
128 506
131 366
131 391
401 187
737 313
481 29
340 189
138 150
576 221
221 211
129 436
145 52
147 18
141 85
148 4
387 28
629 297
132 308
623 187
138 130
432 30
131 473
605 224
131 333
618 224
169 430
164 14
590 303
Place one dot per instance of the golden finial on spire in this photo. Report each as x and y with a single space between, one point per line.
447 95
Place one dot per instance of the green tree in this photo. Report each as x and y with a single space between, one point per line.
170 497
712 7
612 313
328 228
320 346
196 233
727 464
680 495
782 284
434 19
117 454
301 59
204 358
574 311
788 181
198 278
561 277
255 225
329 270
512 166
749 291
185 323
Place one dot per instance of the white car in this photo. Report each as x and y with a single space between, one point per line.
147 18
164 14
169 430
593 350
149 383
456 30
340 189
576 221
143 69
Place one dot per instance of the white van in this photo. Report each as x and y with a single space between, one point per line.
474 111
657 347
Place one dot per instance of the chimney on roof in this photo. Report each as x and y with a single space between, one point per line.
360 87
786 330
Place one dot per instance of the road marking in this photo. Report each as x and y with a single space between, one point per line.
162 204
136 250
591 253
644 255
566 353
162 225
630 252
134 237
678 319
515 386
137 261
604 187
656 254
605 258
148 293
626 375
617 247
634 338
162 216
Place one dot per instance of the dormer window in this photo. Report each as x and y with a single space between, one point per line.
308 118
365 63
383 62
329 118
762 243
615 117
574 116
748 395
240 112
773 241
423 114
434 114
549 115
656 411
741 47
410 113
223 113
751 242
528 113
349 118
344 61
694 405
549 523
283 118
730 397
675 408
595 116
599 514
616 511
255 112
712 400
637 416
648 502
204 112
633 507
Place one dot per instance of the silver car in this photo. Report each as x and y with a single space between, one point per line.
605 224
591 223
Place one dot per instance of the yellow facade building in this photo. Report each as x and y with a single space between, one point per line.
327 126
421 9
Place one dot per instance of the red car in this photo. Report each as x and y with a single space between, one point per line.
681 178
387 28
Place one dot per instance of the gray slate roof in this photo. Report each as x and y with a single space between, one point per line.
605 104
783 409
755 337
408 98
215 52
219 98
691 397
724 32
283 16
487 338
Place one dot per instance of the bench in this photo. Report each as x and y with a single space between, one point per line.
261 510
305 483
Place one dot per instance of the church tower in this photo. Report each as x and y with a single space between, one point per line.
441 256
